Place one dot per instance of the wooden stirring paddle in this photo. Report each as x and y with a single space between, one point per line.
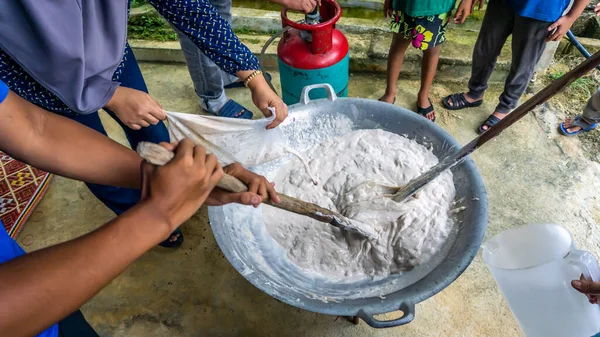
453 160
158 155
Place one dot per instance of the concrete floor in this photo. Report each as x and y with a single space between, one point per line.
532 175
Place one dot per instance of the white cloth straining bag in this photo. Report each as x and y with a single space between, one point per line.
244 141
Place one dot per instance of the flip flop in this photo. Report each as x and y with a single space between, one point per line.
424 111
564 130
393 102
240 84
489 122
173 244
460 102
232 109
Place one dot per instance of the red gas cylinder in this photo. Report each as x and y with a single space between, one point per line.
313 54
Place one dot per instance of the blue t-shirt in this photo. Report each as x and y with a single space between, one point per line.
3 91
9 249
543 10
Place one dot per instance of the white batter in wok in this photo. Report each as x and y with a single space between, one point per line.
409 233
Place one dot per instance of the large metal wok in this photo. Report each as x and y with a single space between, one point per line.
243 237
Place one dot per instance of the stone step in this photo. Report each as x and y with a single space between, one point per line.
264 21
368 53
268 21
566 47
369 42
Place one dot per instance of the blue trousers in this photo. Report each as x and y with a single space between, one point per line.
116 198
208 78
75 325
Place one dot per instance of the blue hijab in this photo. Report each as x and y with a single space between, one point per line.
71 47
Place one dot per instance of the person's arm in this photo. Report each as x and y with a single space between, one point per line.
201 22
59 145
65 276
588 288
463 11
558 29
135 108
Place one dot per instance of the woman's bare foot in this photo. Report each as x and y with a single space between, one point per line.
570 129
424 103
388 98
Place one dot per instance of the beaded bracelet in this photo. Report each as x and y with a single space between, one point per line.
251 77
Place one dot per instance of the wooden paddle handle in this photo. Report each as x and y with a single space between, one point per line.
158 155
541 97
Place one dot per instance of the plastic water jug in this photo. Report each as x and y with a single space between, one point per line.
533 266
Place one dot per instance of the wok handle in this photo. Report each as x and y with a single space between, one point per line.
305 98
409 314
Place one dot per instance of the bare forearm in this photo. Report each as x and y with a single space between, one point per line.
59 279
242 75
257 83
62 146
578 8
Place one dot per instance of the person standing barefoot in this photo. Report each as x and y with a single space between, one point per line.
422 24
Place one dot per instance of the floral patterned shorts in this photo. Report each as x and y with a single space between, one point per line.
424 31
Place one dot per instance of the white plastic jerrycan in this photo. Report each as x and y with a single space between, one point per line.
533 266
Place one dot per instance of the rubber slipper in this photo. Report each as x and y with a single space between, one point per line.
564 130
424 111
393 102
173 244
489 122
460 102
240 84
232 109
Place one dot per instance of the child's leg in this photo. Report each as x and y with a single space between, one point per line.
429 65
529 40
495 29
591 113
528 44
497 25
394 64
